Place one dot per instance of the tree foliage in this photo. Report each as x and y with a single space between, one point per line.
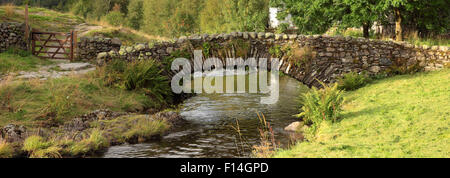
317 16
135 14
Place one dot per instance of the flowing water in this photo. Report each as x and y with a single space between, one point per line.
209 133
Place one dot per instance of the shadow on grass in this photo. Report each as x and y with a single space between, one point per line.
368 111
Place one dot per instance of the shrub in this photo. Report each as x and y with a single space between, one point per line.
146 75
282 28
276 51
300 56
115 18
352 81
321 105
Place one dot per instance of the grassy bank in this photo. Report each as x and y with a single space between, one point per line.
118 86
49 20
41 18
403 116
18 60
100 135
45 102
48 106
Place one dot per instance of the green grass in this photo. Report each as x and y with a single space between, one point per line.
43 19
16 60
429 41
404 116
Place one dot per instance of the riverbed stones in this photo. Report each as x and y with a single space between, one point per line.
171 117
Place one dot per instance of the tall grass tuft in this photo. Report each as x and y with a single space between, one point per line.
268 145
321 105
38 147
6 150
145 128
9 10
95 142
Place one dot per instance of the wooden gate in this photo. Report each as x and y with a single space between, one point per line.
53 45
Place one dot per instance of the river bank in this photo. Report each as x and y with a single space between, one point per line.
75 114
400 117
86 135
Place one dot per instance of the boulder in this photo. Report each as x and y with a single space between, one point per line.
13 133
295 126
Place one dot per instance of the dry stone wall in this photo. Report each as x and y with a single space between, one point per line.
12 35
89 47
305 58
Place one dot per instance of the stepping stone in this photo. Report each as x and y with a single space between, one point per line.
74 66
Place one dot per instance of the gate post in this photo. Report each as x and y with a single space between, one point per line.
27 28
75 44
71 45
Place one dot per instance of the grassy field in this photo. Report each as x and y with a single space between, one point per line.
404 116
41 18
16 60
48 20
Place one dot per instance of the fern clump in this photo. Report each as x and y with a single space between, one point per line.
321 105
146 75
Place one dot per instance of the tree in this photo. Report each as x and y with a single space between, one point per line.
398 7
310 16
135 14
184 18
234 15
357 13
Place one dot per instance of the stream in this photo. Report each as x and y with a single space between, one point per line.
209 133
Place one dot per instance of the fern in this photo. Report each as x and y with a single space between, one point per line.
321 105
146 75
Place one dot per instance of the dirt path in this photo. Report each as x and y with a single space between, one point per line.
53 71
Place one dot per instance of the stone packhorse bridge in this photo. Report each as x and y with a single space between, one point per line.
305 58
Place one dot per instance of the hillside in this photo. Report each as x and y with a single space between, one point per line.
403 116
48 20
